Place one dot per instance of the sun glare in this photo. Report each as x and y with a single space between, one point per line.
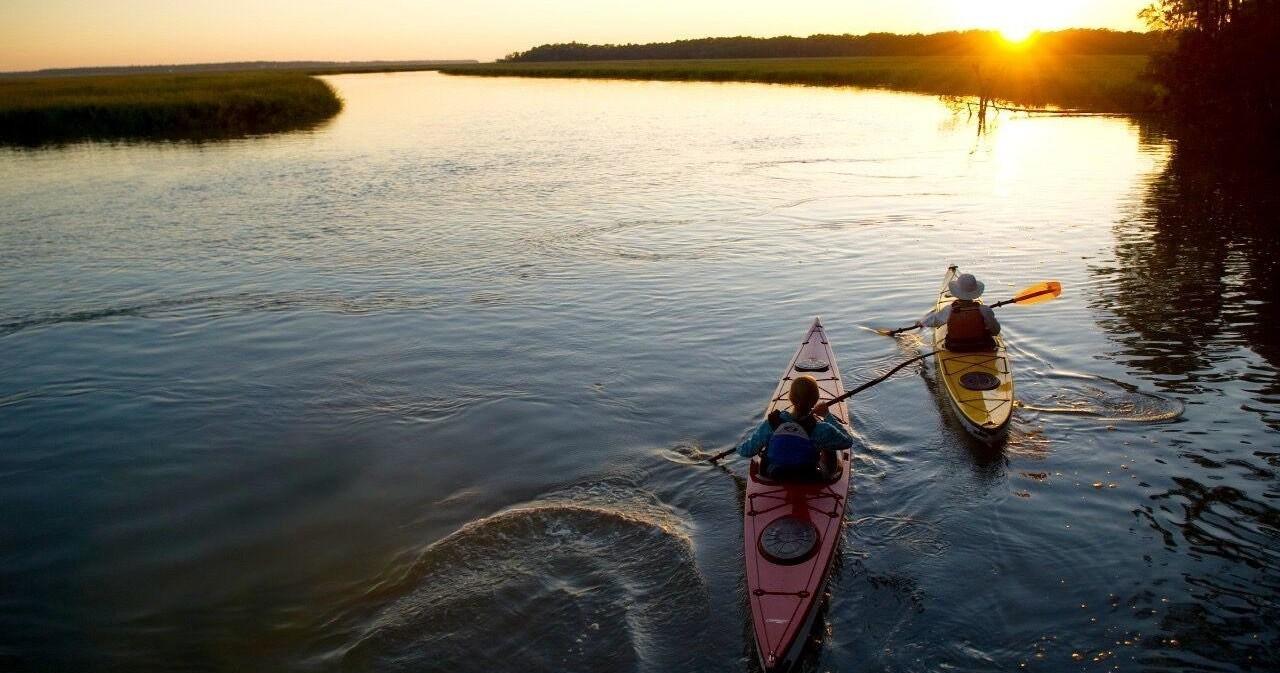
1018 20
1016 33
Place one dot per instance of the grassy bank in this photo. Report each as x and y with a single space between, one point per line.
35 111
309 67
1080 82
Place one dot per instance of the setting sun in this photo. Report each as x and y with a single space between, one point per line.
1016 33
1016 20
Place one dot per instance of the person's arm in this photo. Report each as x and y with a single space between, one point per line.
989 318
836 436
936 318
756 441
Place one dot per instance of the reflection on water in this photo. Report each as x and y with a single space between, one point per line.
1194 296
432 386
1196 278
1229 612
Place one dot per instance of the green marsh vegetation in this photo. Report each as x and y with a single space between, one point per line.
200 106
1208 66
1092 82
1078 69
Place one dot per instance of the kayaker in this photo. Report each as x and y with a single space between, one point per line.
797 439
971 326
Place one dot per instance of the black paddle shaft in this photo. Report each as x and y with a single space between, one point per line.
847 395
881 379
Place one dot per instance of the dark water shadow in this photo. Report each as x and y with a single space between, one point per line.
187 138
1229 612
1197 273
1192 304
988 461
603 574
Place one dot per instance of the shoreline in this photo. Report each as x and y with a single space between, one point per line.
180 107
1077 83
203 106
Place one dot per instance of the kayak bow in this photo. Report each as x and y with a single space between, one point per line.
978 384
791 530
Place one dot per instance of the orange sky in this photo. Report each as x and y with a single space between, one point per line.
65 33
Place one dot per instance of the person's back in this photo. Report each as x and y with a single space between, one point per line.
794 441
971 326
967 328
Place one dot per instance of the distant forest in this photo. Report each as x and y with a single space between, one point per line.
315 67
1074 41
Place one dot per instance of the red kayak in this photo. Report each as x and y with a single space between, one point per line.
791 530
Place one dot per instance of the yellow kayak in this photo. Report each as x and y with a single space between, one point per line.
979 384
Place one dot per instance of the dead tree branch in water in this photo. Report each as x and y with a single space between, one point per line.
980 105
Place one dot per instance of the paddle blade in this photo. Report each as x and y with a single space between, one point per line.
1039 293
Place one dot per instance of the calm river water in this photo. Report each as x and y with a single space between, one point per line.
426 388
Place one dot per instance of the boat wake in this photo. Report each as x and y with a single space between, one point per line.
1099 398
875 534
594 577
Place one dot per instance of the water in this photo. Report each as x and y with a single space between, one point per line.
427 388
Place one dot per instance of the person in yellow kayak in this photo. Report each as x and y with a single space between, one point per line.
798 440
970 326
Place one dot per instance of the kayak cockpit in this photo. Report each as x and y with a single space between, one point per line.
827 471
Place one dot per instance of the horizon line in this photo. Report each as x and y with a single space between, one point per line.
410 61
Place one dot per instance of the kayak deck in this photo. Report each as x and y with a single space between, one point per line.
785 593
984 413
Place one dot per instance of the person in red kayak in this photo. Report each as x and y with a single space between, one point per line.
970 326
796 440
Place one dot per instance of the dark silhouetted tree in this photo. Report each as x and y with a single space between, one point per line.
1222 71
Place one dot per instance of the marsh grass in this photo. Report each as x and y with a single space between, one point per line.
1094 83
161 106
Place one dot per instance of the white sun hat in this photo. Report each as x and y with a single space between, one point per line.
965 286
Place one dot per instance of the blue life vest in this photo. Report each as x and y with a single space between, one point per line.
791 446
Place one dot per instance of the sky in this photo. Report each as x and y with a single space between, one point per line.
68 33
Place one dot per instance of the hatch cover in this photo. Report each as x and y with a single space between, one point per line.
789 540
979 381
813 365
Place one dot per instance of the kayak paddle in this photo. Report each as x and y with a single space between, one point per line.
1036 294
843 397
896 332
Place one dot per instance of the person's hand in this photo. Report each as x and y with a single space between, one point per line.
820 409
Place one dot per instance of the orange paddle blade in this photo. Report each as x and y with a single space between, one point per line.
1040 292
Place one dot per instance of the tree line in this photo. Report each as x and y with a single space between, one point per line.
1221 70
1074 41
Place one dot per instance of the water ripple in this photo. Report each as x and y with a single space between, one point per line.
594 577
213 306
